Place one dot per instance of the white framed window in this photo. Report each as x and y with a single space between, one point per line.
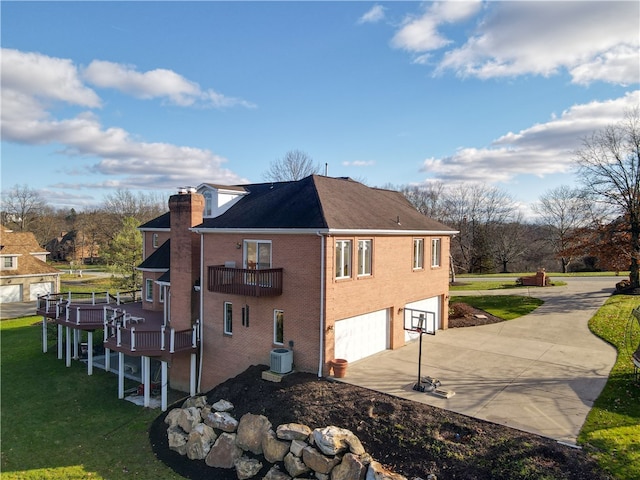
208 203
161 293
257 254
343 258
154 240
9 263
435 252
364 257
418 253
228 318
278 327
148 292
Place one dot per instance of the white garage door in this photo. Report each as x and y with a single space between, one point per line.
361 336
428 305
38 289
10 293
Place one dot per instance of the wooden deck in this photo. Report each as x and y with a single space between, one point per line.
126 326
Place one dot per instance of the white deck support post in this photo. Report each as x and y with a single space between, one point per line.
146 371
76 342
192 376
89 352
165 381
107 360
44 334
120 375
68 346
59 342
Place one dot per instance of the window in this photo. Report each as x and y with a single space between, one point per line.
8 262
161 299
343 258
435 252
278 327
208 204
228 318
364 257
257 254
418 253
149 290
155 240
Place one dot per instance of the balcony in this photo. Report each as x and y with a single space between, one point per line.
245 281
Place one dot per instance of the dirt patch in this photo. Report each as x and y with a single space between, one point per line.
410 438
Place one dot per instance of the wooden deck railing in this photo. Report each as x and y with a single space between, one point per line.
245 281
133 340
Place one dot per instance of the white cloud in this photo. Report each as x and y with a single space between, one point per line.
593 41
159 83
375 14
421 34
32 82
539 150
359 163
44 78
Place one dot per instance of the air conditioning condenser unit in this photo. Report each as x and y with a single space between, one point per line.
281 360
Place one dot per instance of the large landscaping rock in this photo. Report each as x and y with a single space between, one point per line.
334 440
177 438
294 465
247 467
315 460
273 449
199 442
224 452
351 468
188 418
293 431
251 429
221 421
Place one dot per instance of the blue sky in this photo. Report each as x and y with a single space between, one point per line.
151 96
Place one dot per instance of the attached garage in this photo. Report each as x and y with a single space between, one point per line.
10 293
40 288
361 336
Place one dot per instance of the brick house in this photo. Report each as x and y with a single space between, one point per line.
304 272
24 273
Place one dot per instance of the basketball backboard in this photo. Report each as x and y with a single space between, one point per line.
420 321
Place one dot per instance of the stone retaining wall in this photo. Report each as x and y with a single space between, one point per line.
290 451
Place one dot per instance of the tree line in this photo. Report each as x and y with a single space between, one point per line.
592 226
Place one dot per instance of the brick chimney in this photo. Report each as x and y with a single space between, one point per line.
186 209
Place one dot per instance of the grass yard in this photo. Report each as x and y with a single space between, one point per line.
506 307
612 428
57 423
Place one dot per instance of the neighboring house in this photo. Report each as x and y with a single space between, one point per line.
24 273
73 246
308 271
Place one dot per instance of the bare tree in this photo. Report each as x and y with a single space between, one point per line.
427 198
476 211
295 165
562 211
609 167
21 207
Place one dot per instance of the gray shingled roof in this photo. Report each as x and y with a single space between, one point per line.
318 202
160 259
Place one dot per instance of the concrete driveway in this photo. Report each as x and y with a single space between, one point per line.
539 373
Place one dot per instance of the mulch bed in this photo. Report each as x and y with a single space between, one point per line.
410 438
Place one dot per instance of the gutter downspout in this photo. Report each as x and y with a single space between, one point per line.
201 326
322 299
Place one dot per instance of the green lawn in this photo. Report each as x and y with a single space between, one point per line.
506 307
612 428
57 423
470 284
